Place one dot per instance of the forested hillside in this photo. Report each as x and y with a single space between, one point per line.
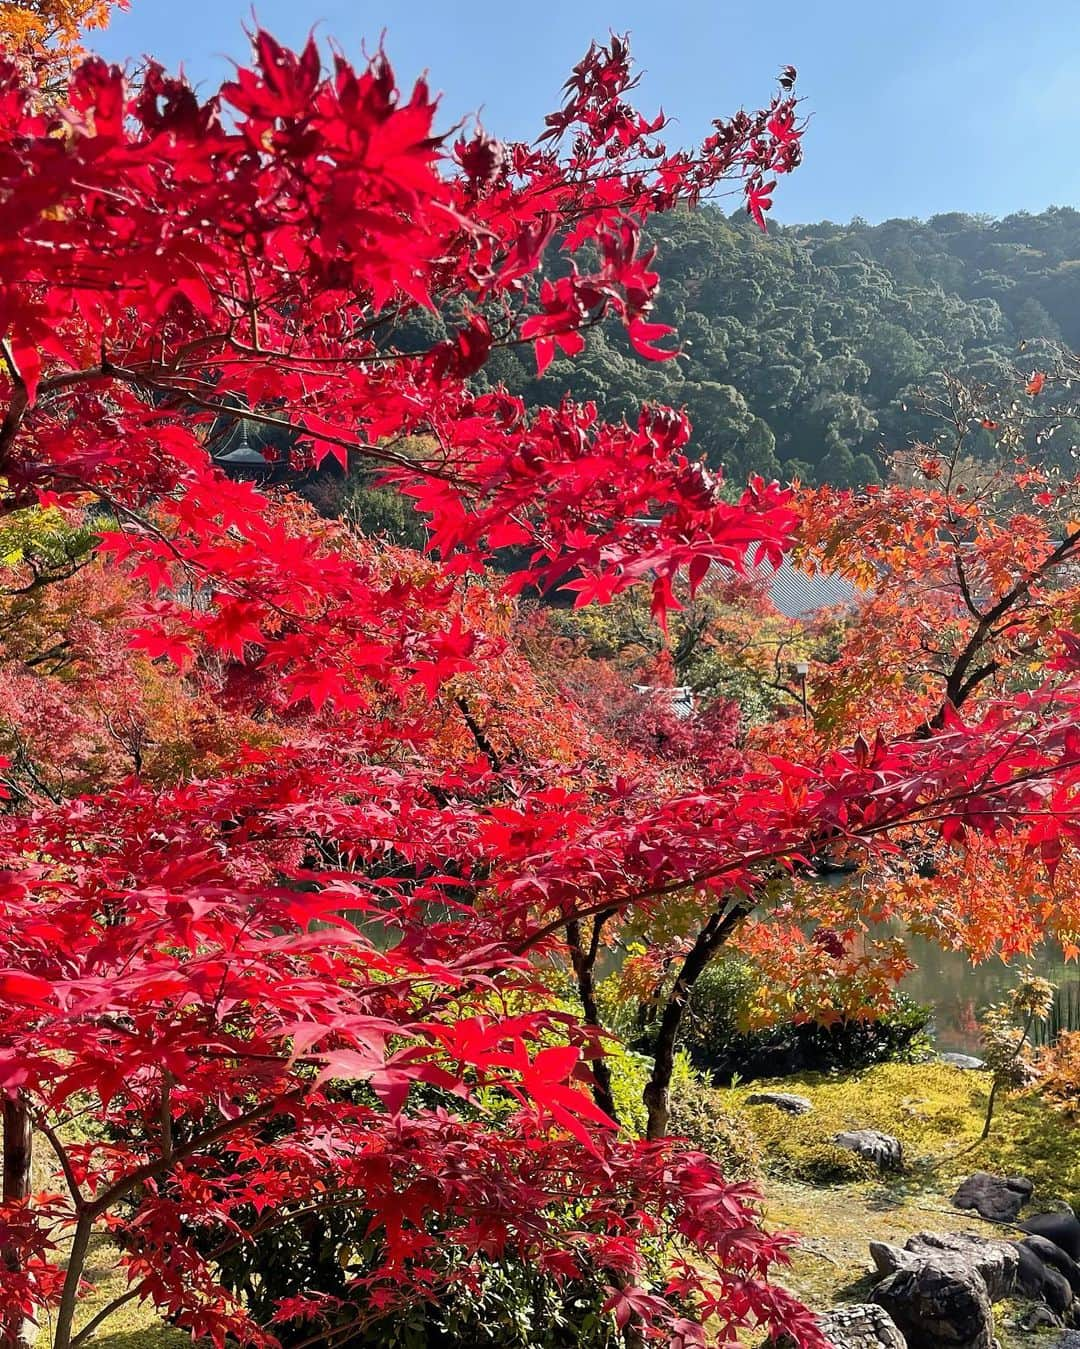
805 349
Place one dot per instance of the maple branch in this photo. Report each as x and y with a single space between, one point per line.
924 813
93 1209
141 377
166 1115
151 1169
20 401
483 744
962 680
53 1139
965 589
712 936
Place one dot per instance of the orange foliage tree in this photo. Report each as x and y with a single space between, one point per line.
56 24
971 570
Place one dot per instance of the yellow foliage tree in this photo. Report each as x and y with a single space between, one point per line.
55 24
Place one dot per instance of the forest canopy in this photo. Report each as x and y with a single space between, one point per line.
805 350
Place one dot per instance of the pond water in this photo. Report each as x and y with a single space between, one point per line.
959 991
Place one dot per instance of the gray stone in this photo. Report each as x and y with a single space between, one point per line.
862 1325
1063 1229
1069 1340
996 1262
882 1149
966 1061
998 1198
783 1100
1051 1255
1056 1292
1039 1315
938 1303
888 1259
1041 1281
1030 1272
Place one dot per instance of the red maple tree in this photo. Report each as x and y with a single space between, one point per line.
300 976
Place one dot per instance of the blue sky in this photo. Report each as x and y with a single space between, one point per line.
917 106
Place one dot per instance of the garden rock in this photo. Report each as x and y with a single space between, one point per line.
1055 1291
888 1259
938 1303
783 1100
1063 1229
1070 1340
863 1325
996 1262
882 1149
998 1198
966 1061
1038 1316
1029 1273
1051 1255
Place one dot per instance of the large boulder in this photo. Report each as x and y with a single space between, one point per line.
996 1261
1041 1281
1063 1229
862 1325
998 1198
783 1100
888 1258
1056 1292
1029 1272
939 1304
882 1149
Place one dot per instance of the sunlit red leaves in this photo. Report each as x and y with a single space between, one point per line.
173 268
411 809
22 988
759 200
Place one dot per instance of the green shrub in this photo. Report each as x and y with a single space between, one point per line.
699 1115
698 1112
720 1003
715 1034
629 1073
497 1304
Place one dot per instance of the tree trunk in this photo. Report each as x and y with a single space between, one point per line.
18 1147
65 1315
15 1333
709 940
991 1099
584 963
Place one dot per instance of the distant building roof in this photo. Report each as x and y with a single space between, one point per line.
793 592
796 594
243 456
681 698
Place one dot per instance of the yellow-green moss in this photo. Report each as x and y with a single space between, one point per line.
936 1111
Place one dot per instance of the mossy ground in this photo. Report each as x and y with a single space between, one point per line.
135 1325
937 1113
